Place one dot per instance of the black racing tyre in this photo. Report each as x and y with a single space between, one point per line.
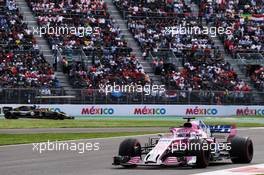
241 150
202 156
61 117
54 116
43 114
37 115
10 116
130 148
14 116
58 117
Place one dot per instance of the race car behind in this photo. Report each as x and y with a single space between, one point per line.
33 112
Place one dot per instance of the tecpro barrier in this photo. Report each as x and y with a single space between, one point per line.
152 110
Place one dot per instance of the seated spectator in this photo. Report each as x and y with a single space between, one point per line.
258 78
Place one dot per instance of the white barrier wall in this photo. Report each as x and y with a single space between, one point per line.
152 110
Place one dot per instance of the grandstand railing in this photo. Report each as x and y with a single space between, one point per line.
167 56
153 15
245 59
72 54
26 95
89 96
251 58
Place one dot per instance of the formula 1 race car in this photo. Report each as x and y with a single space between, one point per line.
33 112
194 144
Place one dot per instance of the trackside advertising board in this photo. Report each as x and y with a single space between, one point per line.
151 110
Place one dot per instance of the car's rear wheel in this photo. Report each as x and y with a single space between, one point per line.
32 113
241 150
61 117
202 155
56 116
130 148
42 115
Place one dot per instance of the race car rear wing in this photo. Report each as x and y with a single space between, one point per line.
6 109
223 133
221 128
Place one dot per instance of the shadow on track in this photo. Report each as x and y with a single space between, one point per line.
214 164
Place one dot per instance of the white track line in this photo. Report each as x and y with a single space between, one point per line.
243 170
251 128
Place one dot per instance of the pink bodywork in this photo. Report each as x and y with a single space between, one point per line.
195 128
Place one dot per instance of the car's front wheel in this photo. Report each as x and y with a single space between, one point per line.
10 115
130 148
202 155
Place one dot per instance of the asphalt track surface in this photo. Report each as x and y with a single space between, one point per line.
82 130
22 160
90 130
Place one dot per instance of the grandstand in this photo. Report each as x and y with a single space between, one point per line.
131 42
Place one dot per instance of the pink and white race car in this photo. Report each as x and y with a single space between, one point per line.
194 144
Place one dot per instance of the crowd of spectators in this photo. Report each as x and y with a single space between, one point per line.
153 8
102 40
122 70
177 35
245 18
202 71
204 67
77 24
21 64
86 25
152 22
25 70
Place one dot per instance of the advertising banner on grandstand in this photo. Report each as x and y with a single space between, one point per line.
152 110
